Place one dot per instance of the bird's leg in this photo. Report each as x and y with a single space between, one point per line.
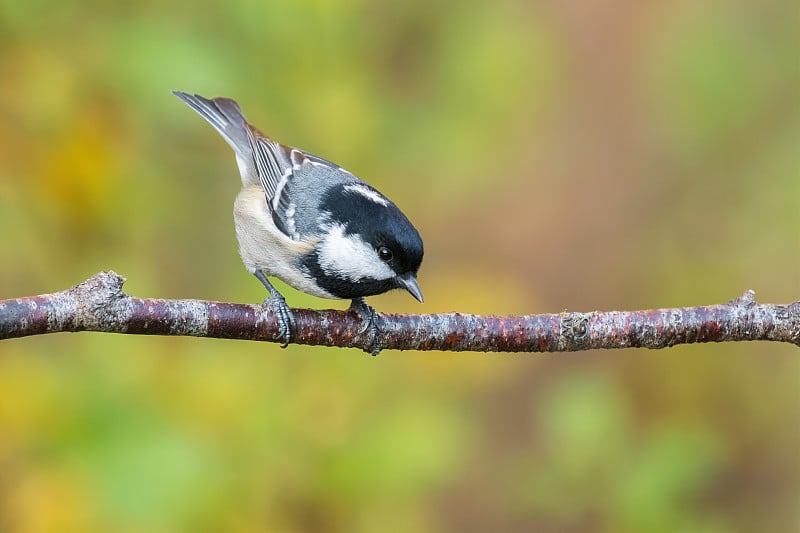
277 303
367 315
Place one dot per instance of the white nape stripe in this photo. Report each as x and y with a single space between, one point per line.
367 193
349 257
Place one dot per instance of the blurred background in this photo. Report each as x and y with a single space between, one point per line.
554 155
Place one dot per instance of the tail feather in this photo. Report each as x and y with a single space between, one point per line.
227 118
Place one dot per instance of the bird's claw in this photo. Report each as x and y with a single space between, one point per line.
369 319
284 316
277 304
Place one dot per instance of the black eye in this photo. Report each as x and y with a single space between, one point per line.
385 254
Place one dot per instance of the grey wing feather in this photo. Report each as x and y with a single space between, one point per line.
291 181
300 193
272 164
265 158
294 181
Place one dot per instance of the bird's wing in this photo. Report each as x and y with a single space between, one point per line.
294 182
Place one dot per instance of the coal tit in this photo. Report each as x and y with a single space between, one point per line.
311 223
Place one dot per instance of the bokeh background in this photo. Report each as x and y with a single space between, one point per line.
554 155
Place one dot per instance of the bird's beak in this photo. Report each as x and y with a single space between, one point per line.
409 283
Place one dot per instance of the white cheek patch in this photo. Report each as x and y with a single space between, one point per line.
367 193
349 257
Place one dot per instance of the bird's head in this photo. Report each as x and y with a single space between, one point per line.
370 247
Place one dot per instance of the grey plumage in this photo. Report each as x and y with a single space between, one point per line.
293 180
309 222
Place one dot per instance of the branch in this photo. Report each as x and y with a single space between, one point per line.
98 304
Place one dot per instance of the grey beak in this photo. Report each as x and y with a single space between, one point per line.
409 283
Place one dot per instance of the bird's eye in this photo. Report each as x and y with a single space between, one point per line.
385 254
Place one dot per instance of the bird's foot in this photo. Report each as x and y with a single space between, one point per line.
369 318
284 316
277 304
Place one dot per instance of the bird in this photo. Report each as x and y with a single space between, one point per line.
311 223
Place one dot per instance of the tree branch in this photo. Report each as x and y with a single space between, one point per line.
98 304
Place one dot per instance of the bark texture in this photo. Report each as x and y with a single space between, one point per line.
99 304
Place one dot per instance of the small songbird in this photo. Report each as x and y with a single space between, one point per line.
311 223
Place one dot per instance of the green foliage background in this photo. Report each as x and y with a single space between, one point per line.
554 155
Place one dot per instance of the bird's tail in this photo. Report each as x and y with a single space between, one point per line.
227 118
